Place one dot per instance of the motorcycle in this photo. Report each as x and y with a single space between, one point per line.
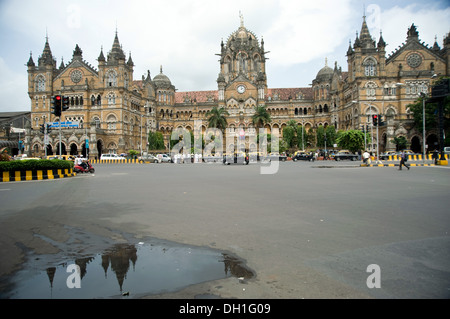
80 169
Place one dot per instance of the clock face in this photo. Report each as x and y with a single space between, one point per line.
76 76
241 89
414 60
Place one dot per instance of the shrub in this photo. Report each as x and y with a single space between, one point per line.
31 164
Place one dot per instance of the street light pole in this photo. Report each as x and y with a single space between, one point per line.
423 95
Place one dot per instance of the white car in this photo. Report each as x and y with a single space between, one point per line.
164 158
112 156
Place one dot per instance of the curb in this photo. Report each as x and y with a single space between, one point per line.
34 175
393 165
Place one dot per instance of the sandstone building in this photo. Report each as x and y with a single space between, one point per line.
115 112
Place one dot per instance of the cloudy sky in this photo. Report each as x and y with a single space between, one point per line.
184 35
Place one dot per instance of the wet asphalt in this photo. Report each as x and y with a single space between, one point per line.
309 230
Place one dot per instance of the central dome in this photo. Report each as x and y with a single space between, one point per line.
325 73
161 80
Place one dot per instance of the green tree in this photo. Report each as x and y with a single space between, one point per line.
431 116
155 141
400 143
289 136
217 118
261 117
353 140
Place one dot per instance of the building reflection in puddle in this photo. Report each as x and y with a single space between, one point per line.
127 269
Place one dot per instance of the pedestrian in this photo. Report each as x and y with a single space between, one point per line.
435 156
366 157
403 159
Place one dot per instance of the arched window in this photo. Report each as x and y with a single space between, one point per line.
40 83
111 122
111 78
96 121
111 99
370 66
99 100
371 89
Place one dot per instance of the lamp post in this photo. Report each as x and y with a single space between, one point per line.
423 95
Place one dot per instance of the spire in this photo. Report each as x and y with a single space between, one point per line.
160 70
130 61
242 19
61 66
436 45
46 57
30 61
116 52
357 42
365 37
381 43
77 53
350 50
412 33
101 57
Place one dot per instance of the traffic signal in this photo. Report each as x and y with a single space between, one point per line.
65 103
375 120
49 129
42 129
56 105
380 120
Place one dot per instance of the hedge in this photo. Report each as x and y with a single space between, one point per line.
34 164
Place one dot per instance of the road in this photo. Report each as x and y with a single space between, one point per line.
308 231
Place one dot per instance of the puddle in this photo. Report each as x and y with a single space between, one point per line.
124 270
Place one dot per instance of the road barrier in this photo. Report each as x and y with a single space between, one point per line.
115 161
33 175
414 157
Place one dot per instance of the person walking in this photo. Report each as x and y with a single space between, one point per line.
403 160
366 157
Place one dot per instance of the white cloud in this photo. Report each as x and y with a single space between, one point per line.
14 92
184 35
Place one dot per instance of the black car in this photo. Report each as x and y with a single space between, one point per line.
236 158
275 156
303 156
345 155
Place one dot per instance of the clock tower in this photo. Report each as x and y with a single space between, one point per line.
242 79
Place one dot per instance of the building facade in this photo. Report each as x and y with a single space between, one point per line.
115 112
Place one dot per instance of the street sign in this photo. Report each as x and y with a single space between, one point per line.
17 130
65 124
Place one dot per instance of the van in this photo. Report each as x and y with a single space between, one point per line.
62 157
447 151
112 156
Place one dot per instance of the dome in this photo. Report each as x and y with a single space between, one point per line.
161 80
242 34
326 73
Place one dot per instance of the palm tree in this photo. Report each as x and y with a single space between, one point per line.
217 118
261 117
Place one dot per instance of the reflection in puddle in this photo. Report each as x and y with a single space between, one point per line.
126 269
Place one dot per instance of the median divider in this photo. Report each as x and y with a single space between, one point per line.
115 161
393 165
33 175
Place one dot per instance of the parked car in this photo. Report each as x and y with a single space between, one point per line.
385 155
112 156
274 156
164 158
149 158
303 156
236 158
345 155
447 151
62 157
